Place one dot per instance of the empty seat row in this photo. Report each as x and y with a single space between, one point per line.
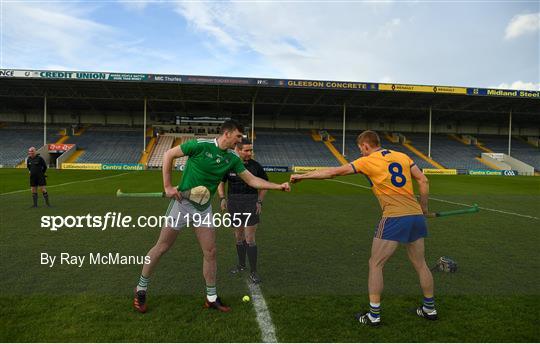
14 142
107 146
291 148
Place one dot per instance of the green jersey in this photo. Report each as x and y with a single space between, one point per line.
207 165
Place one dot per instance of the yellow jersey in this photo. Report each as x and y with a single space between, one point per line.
389 173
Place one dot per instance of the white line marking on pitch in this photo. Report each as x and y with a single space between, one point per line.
69 183
449 202
268 331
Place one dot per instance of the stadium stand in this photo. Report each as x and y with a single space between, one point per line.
111 145
182 161
15 141
163 144
291 148
519 149
284 147
351 149
352 152
447 151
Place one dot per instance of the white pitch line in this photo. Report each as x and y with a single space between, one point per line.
69 183
449 202
268 331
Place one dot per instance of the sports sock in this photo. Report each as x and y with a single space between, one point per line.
374 311
34 198
252 256
46 196
143 283
241 251
211 293
428 304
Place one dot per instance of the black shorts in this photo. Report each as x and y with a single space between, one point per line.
240 207
37 180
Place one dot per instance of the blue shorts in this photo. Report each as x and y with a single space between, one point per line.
404 229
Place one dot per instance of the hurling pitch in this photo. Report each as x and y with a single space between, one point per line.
314 244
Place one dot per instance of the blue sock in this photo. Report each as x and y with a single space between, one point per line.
375 310
428 304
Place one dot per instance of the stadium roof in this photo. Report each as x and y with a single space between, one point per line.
189 94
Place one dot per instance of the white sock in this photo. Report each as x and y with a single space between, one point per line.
429 311
373 319
374 308
143 283
211 298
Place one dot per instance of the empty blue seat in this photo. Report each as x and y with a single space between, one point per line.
519 149
291 148
106 146
15 141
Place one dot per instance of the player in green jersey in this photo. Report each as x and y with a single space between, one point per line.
208 162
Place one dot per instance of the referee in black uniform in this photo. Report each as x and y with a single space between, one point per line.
242 198
37 167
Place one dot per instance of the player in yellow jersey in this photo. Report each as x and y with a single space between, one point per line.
390 174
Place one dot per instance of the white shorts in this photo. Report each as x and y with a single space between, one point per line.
183 213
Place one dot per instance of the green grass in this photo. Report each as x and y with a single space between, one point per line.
314 244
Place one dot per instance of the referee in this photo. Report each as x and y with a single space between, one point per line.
242 198
37 167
